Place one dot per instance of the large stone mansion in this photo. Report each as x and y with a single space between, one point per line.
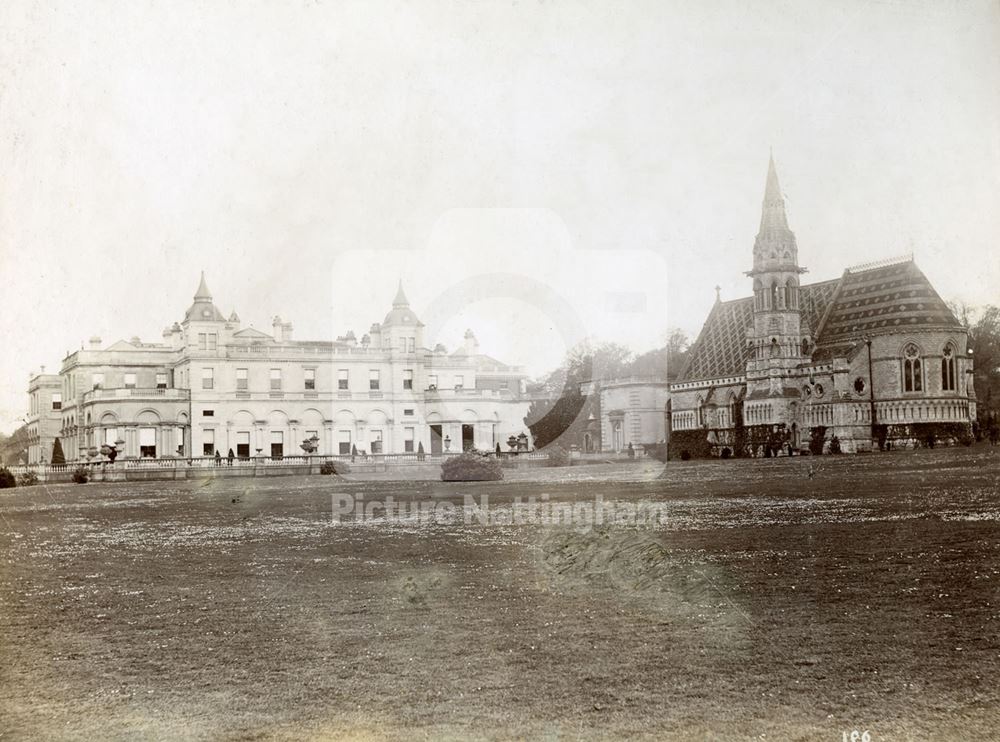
214 385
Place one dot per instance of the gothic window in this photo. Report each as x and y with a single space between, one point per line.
805 346
912 370
819 390
774 296
948 370
859 385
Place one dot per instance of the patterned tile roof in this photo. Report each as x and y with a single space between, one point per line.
721 348
882 299
877 299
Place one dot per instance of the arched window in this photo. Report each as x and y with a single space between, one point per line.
805 346
948 369
912 371
774 296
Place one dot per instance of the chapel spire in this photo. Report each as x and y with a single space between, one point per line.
775 247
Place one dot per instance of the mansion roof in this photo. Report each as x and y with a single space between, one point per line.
837 313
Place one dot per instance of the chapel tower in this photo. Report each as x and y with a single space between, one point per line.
778 341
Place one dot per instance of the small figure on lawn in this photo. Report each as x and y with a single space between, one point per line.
218 458
631 451
231 456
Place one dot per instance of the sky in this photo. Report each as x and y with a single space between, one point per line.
540 172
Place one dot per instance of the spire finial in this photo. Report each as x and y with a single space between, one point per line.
203 293
400 300
718 293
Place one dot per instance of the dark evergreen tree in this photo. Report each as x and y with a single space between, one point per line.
58 457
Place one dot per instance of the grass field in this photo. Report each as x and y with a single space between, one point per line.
781 599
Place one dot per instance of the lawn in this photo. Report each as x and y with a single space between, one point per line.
781 599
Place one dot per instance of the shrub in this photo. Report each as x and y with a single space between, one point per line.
685 455
726 453
329 467
657 450
471 466
28 479
835 444
6 478
558 456
81 475
695 442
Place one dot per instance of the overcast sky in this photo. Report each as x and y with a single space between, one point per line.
539 172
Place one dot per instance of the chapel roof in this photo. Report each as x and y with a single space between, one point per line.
876 298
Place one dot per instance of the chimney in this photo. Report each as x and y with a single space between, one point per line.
471 345
95 342
286 332
276 328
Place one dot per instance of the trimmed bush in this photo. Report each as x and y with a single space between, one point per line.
334 467
28 479
558 456
6 478
471 466
81 475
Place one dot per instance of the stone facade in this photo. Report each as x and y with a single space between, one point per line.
214 385
44 416
796 357
632 411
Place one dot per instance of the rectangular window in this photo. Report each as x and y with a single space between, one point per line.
208 378
275 379
147 443
243 444
56 401
411 344
374 379
343 442
408 435
213 341
376 440
504 385
161 381
342 379
130 381
459 381
97 380
208 443
208 413
277 444
241 379
408 412
432 381
110 436
407 379
202 341
310 378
